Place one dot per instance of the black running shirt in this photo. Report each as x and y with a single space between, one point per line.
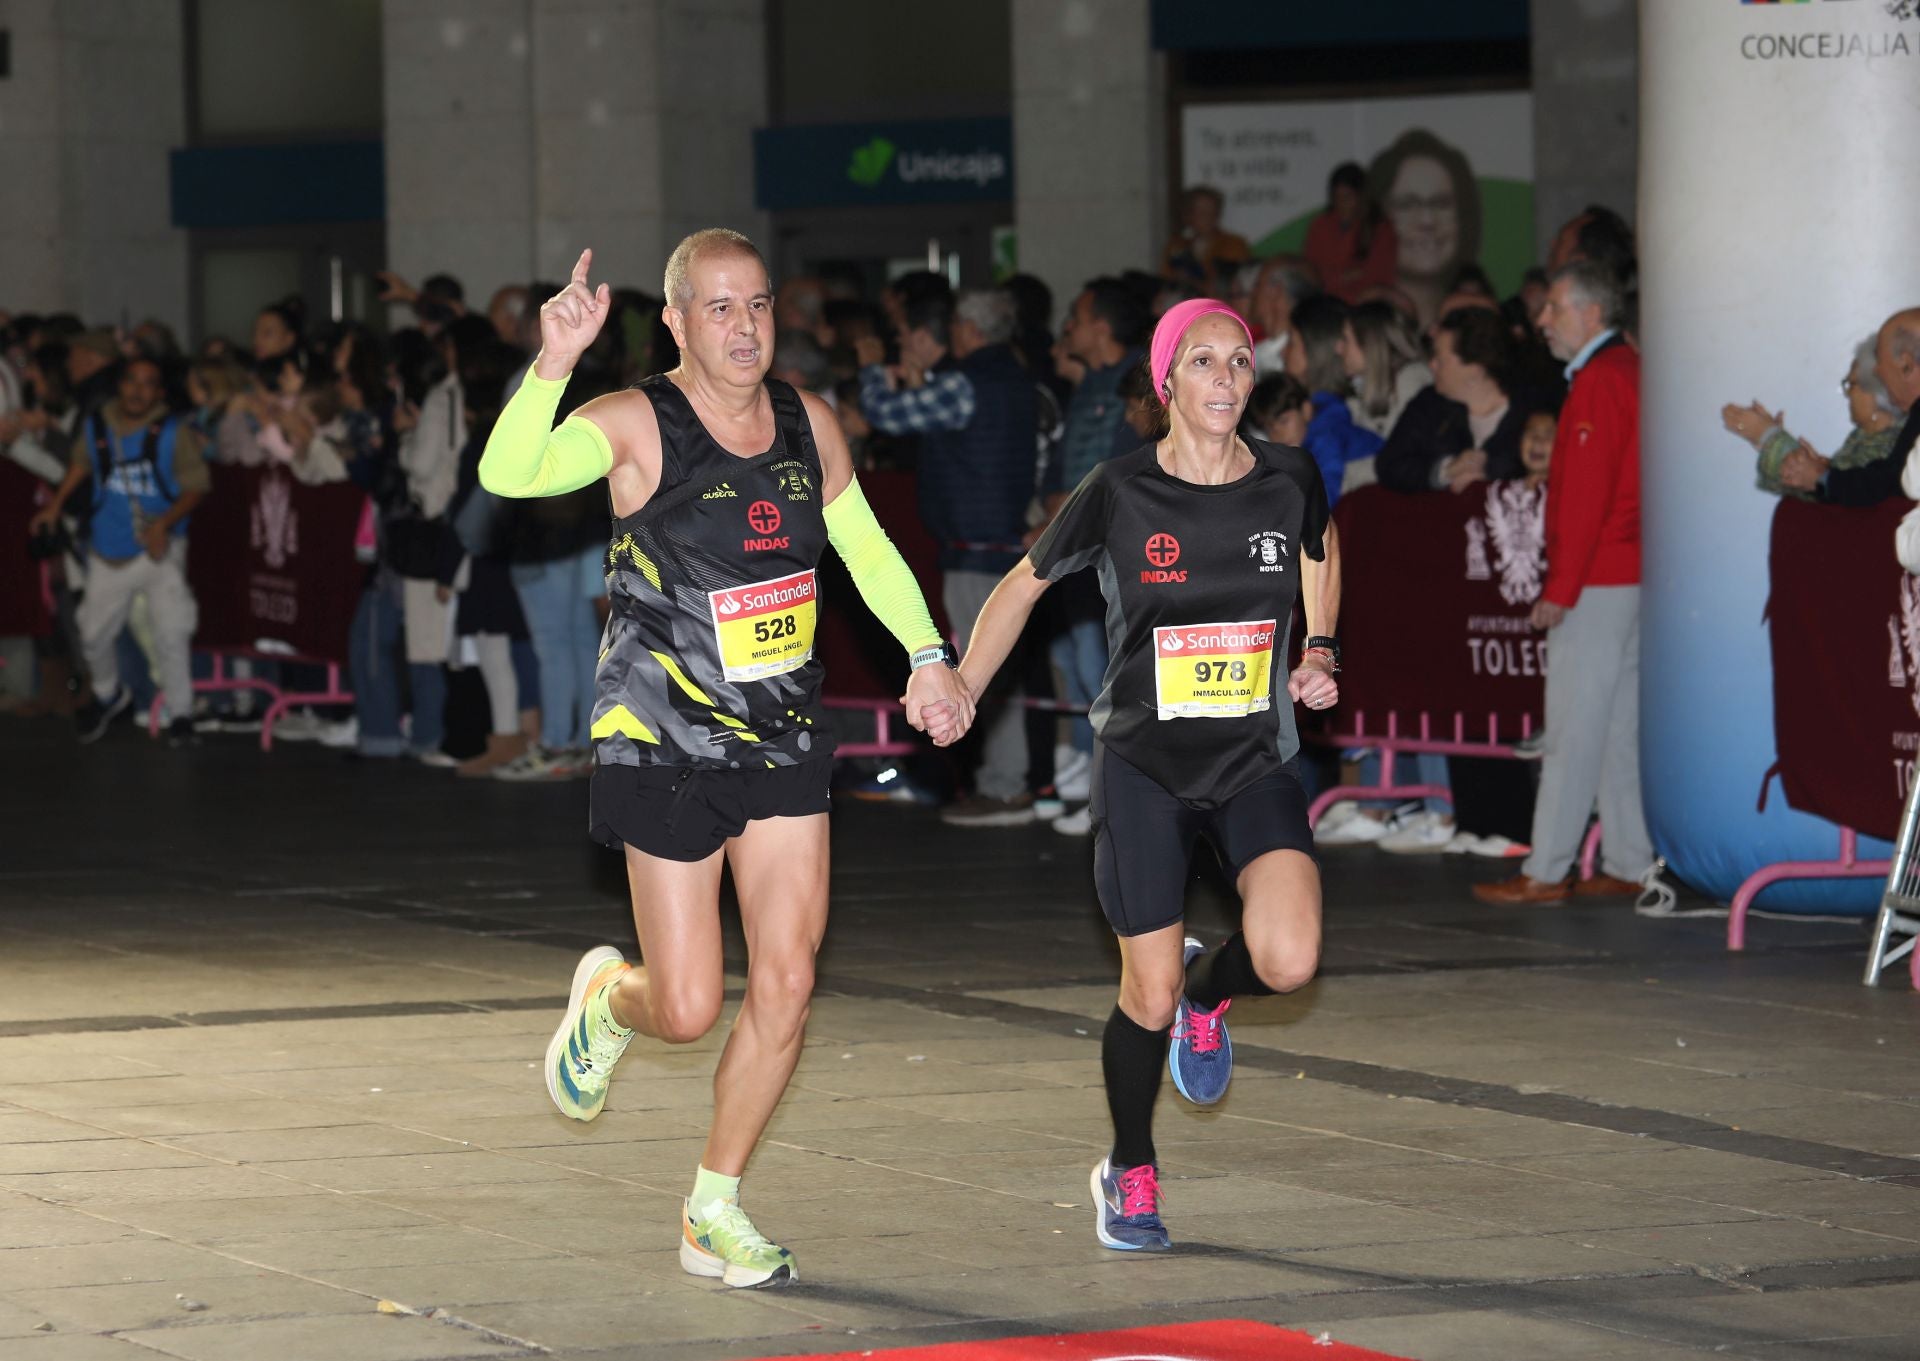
708 658
1200 585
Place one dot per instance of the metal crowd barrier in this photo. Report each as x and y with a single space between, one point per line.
1900 903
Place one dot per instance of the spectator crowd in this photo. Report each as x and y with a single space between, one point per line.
477 622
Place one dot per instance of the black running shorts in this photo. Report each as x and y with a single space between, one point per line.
1143 838
687 813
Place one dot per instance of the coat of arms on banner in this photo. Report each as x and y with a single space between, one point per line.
275 526
1516 524
1903 640
1514 528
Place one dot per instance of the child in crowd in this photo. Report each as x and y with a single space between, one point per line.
1278 410
1536 447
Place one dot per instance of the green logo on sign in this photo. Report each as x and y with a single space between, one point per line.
870 162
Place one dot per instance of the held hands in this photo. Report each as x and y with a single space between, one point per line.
1312 683
939 704
1803 468
1463 470
570 320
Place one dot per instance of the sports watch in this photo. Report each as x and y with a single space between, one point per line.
1324 644
937 652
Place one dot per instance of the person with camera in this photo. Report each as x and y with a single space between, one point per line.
148 471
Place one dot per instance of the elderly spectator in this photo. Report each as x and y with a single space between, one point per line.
1341 448
1382 355
964 391
1202 252
1466 427
1590 604
1349 242
1876 424
1897 365
147 472
1283 283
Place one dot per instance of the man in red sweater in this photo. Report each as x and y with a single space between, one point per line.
1590 605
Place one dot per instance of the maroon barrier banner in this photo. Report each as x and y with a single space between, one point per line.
1437 590
23 610
862 659
270 558
1844 622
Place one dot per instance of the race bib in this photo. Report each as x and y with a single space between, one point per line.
1213 670
765 629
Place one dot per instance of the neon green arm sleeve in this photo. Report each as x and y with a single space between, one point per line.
886 582
526 456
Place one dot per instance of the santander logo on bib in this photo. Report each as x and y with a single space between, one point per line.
764 518
1163 550
1216 639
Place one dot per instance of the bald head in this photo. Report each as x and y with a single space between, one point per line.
712 243
1896 357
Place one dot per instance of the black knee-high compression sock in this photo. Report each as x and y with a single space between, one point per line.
1132 1057
1227 972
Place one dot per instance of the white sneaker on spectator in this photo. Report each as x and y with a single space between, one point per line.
1073 774
1497 847
1421 833
436 758
298 725
1358 828
1463 843
1077 823
343 735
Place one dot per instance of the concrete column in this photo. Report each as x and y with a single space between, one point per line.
1089 140
95 101
1586 91
459 140
520 131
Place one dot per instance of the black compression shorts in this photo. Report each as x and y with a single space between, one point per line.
1143 838
687 813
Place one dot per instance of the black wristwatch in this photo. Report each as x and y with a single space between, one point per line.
1321 643
940 652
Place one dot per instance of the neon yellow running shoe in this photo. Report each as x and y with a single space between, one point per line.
586 1046
728 1246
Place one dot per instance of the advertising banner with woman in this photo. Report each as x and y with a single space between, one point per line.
1452 175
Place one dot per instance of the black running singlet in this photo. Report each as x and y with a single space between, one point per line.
708 658
1200 584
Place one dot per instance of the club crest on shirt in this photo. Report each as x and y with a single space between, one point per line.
796 481
1267 548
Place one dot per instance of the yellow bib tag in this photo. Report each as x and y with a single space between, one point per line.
1213 670
765 629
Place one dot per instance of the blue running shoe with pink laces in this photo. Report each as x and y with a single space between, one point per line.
1126 1201
1199 1051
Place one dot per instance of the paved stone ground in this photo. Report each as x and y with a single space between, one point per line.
269 1029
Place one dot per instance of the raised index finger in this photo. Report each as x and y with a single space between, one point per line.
580 266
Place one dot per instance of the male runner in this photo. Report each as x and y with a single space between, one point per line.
711 746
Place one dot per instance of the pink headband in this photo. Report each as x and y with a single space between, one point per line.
1173 327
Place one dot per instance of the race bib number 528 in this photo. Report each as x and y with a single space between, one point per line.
1213 670
767 628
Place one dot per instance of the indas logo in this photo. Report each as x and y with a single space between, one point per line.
274 524
1903 640
1514 527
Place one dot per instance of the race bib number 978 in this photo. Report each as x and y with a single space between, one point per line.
1213 670
765 629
